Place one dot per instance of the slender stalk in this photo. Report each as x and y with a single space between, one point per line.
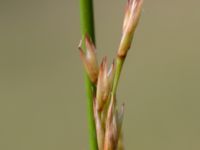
87 27
132 16
119 64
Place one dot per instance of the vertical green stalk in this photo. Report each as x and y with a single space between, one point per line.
87 27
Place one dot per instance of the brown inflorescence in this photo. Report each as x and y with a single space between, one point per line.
108 119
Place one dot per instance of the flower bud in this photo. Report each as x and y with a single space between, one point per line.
104 84
89 59
131 19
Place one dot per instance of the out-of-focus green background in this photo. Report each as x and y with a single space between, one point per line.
42 100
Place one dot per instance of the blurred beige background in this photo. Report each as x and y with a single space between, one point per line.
42 100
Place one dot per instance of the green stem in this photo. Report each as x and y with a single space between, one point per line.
87 27
119 64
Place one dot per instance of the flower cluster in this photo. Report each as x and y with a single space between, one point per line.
108 121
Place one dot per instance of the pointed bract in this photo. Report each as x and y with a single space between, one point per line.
104 84
99 128
91 50
89 59
111 137
127 14
113 125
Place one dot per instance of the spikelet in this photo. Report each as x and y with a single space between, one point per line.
131 19
104 84
89 59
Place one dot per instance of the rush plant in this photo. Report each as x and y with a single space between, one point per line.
105 120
